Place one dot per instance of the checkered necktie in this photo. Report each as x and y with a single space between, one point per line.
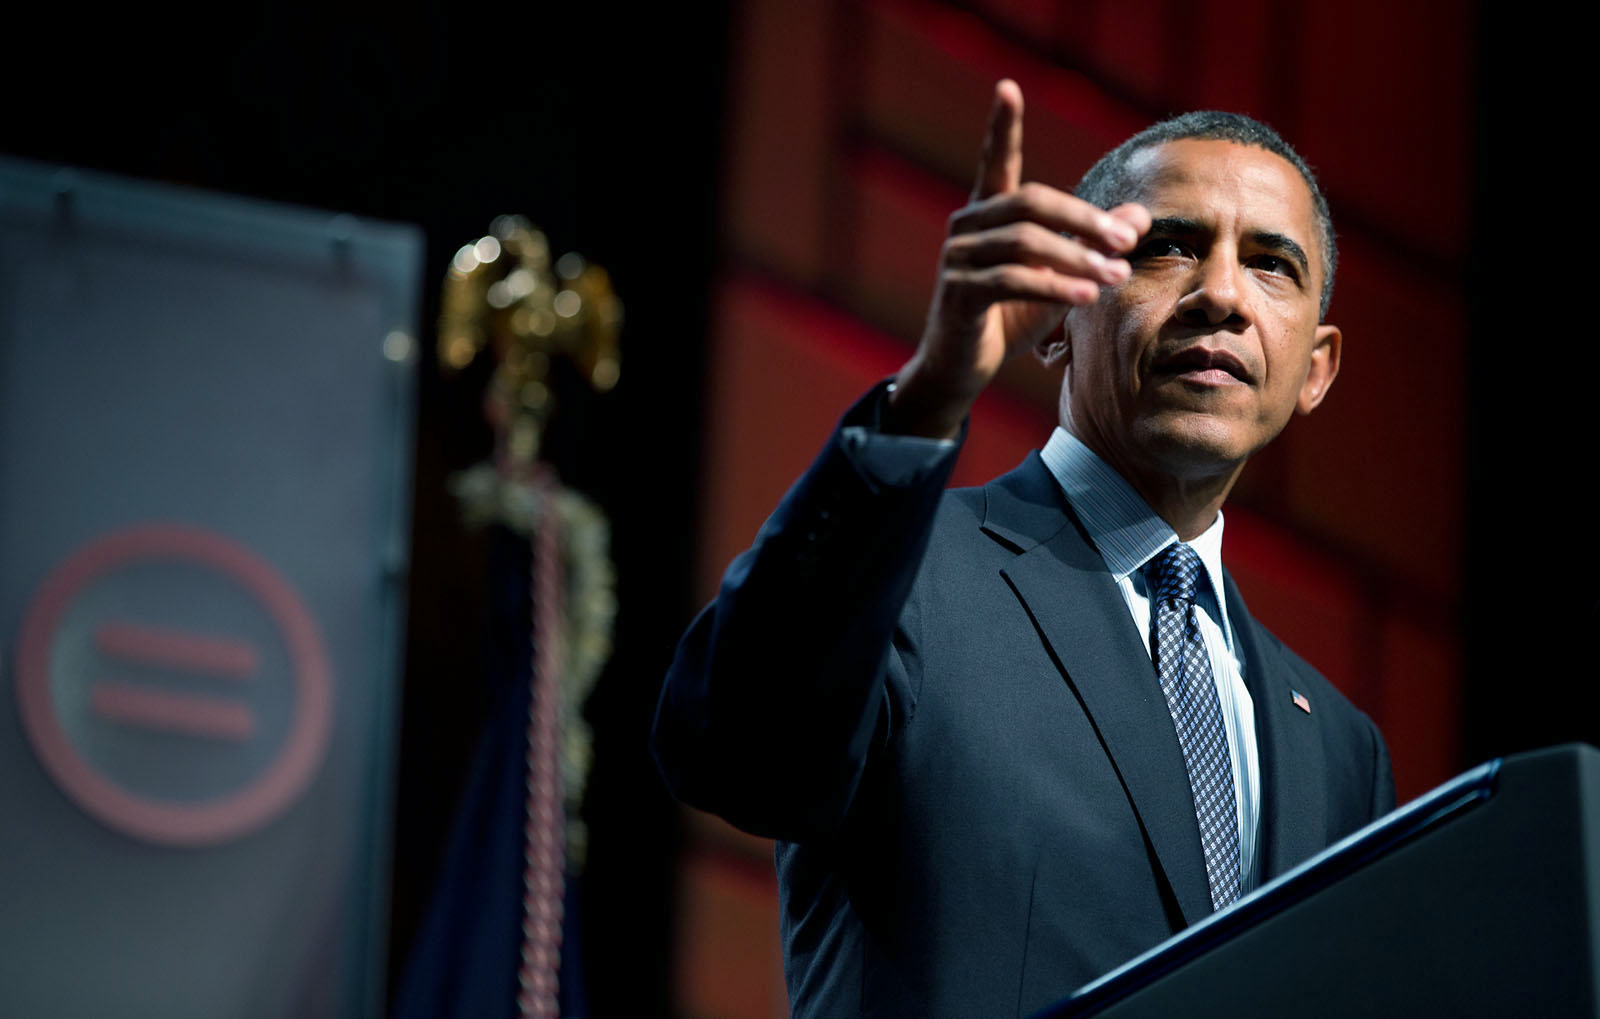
1185 671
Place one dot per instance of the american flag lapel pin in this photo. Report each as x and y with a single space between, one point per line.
1300 701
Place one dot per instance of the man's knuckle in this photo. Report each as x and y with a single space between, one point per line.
1013 277
1036 240
961 220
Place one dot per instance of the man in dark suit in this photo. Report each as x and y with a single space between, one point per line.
1010 737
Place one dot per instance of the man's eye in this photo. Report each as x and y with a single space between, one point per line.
1162 247
1275 265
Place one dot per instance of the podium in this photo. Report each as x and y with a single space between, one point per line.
1481 898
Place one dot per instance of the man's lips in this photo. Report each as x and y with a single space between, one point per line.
1202 362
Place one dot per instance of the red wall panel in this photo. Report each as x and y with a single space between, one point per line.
779 135
1382 108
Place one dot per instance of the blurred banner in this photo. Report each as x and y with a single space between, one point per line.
206 408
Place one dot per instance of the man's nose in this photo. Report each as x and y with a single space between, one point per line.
1216 295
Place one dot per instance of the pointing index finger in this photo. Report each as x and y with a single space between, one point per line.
1000 162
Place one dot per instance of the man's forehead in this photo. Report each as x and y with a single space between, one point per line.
1199 178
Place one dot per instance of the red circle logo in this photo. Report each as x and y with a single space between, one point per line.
175 730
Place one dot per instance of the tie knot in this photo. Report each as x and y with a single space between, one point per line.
1175 573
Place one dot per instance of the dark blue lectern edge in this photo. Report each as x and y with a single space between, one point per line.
1344 857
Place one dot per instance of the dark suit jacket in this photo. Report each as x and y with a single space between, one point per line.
940 707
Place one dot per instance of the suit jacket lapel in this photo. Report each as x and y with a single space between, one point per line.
1062 582
1293 769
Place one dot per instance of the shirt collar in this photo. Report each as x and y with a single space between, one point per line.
1123 527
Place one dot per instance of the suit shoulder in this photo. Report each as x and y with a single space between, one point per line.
1330 702
1352 741
959 518
963 502
1316 685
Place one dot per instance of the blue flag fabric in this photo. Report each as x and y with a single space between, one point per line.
466 955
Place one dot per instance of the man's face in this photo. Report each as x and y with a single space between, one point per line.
1197 360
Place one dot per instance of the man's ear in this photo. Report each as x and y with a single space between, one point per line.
1324 368
1056 347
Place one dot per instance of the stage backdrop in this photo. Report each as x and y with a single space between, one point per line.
205 425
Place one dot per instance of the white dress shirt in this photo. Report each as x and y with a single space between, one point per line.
1128 534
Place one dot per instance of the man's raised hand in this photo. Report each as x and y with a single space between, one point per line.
1016 256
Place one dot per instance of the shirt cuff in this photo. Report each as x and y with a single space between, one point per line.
894 460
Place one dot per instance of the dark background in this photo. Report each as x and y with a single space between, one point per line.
602 125
603 130
1532 606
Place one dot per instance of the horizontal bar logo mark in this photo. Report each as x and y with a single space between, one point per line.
178 649
189 714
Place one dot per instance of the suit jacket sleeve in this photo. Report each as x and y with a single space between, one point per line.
1383 795
783 684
